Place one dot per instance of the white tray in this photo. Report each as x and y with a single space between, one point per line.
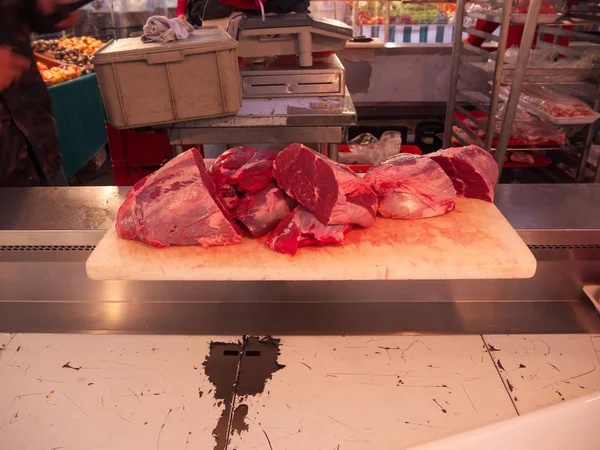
581 120
593 293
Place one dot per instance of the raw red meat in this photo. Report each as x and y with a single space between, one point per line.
262 211
177 205
411 187
242 169
257 173
331 191
208 163
301 228
247 169
472 170
557 109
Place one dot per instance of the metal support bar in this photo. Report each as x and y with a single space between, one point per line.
456 48
588 144
459 138
467 130
498 68
474 101
478 50
557 31
517 84
470 116
483 34
333 152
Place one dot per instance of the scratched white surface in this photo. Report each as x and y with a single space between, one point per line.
347 391
556 367
354 393
4 340
119 399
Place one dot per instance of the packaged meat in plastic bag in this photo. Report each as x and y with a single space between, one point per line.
527 129
521 157
551 58
367 149
553 104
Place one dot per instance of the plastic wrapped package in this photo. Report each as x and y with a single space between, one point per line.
527 130
367 149
553 104
521 157
551 58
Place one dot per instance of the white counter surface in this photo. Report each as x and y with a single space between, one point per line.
391 392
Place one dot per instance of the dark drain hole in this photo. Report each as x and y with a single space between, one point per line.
230 353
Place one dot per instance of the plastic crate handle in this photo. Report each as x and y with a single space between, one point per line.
164 57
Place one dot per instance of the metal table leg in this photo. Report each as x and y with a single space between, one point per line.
333 151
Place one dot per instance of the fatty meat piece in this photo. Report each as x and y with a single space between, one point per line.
473 171
261 212
247 169
301 228
332 192
177 205
411 187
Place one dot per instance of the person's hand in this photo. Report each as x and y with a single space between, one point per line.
48 7
182 17
11 67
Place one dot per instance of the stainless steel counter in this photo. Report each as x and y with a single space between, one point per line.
46 234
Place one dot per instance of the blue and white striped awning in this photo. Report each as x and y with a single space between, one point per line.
412 33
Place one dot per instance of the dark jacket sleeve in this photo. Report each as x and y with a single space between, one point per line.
40 23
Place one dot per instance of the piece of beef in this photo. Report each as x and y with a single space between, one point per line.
208 163
242 170
473 171
177 205
257 173
247 169
331 191
301 228
411 187
262 211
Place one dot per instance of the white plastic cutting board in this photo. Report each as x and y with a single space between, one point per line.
473 242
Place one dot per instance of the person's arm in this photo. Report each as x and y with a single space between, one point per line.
11 67
181 9
41 18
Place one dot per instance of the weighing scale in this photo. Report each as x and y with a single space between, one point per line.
279 60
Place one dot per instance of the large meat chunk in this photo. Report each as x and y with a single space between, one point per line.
411 187
177 205
301 228
248 169
473 171
332 192
242 170
262 211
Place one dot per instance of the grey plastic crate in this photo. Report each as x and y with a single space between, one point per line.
152 84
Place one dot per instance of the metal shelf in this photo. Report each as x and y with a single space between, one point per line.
517 75
581 73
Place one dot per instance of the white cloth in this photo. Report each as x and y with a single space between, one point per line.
163 29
